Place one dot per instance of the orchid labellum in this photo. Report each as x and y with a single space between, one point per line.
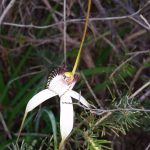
59 83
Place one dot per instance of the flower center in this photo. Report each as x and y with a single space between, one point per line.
60 81
68 77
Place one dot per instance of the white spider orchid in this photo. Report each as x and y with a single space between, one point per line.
59 83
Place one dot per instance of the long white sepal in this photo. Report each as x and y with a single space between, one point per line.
39 98
66 116
78 97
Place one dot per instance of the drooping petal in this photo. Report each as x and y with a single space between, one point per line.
39 98
78 97
66 116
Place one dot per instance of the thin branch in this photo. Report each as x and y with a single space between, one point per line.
147 148
139 52
10 5
5 126
122 64
125 109
145 20
69 21
139 90
102 111
143 97
91 91
23 76
136 76
135 35
140 23
103 118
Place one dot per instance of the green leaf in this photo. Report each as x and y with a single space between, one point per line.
53 123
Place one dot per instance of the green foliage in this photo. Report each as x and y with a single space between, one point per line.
53 124
96 144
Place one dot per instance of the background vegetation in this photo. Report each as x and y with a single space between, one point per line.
114 67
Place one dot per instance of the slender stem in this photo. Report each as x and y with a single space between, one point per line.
62 143
6 10
139 90
23 120
65 28
83 38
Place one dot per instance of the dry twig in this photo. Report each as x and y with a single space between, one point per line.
10 5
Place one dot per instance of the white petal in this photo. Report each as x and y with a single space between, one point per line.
77 96
58 85
66 116
39 98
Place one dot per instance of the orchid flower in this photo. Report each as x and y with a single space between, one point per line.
59 83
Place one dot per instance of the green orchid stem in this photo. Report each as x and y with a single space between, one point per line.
24 117
83 38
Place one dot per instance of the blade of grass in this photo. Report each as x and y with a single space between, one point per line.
53 123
